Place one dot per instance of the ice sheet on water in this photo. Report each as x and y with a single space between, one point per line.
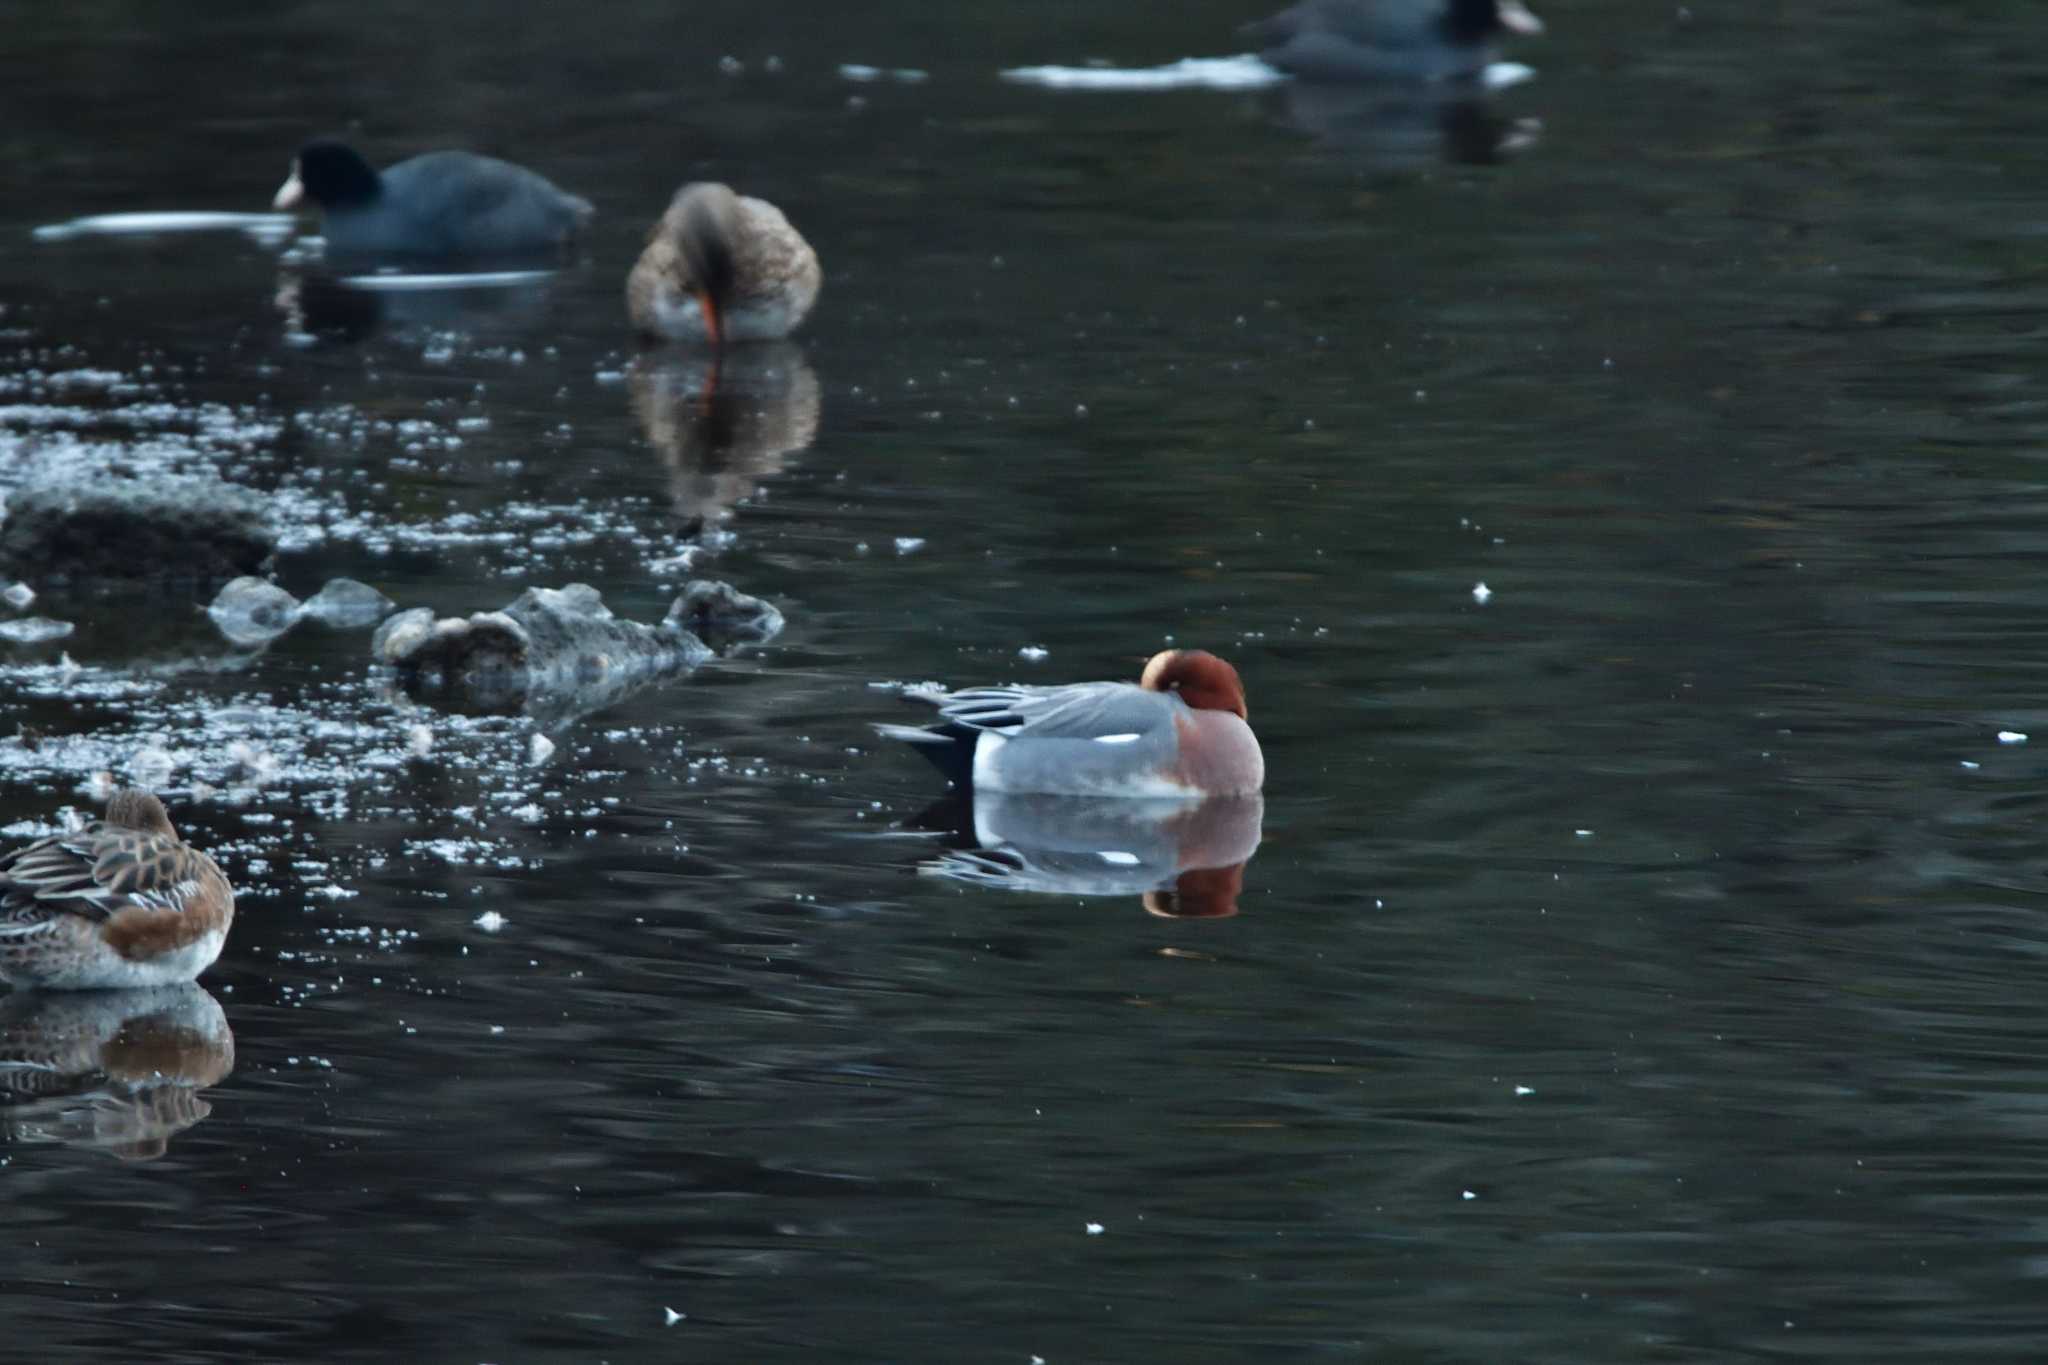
1243 72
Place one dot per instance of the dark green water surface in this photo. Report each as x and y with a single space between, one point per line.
1644 964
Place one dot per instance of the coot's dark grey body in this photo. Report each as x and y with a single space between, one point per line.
1423 40
440 206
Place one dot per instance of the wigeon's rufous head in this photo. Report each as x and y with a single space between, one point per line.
1179 732
1203 681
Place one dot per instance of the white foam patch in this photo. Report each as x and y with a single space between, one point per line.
1243 72
262 226
1501 75
474 279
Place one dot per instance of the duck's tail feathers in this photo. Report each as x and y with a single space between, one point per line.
949 748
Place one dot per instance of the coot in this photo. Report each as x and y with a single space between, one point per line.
1423 40
441 206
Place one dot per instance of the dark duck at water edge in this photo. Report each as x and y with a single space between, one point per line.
721 267
1379 40
443 206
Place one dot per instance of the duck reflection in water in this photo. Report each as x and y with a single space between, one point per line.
1184 858
724 421
120 1071
320 307
1402 128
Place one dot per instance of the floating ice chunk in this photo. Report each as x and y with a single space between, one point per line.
19 595
1582 834
419 741
1501 75
471 279
34 630
1481 594
1469 1195
346 604
1524 1090
1034 653
909 545
867 75
253 611
268 228
1968 764
250 764
150 766
2012 737
539 749
1244 72
670 1317
490 921
1094 1229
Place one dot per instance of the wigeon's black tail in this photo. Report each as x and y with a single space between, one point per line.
947 747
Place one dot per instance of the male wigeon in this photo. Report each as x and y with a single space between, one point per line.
122 902
1180 731
720 267
1184 859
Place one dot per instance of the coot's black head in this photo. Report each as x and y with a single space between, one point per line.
331 174
1474 21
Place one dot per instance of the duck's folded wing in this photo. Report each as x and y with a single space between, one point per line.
1108 712
98 872
55 874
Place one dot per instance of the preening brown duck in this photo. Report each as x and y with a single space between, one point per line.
721 267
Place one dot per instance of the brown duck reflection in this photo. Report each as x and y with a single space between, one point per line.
120 1071
724 421
1183 859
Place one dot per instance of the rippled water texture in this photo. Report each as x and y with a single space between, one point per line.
1640 959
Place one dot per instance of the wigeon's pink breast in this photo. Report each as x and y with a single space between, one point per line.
1218 754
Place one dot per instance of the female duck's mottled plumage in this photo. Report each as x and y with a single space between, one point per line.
121 902
720 267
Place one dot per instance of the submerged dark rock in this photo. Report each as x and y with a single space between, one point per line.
721 615
97 531
555 653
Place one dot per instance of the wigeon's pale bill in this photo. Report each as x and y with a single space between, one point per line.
1179 731
122 902
1184 858
720 267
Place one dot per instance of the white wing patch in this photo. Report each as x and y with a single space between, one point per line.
1118 739
1117 857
